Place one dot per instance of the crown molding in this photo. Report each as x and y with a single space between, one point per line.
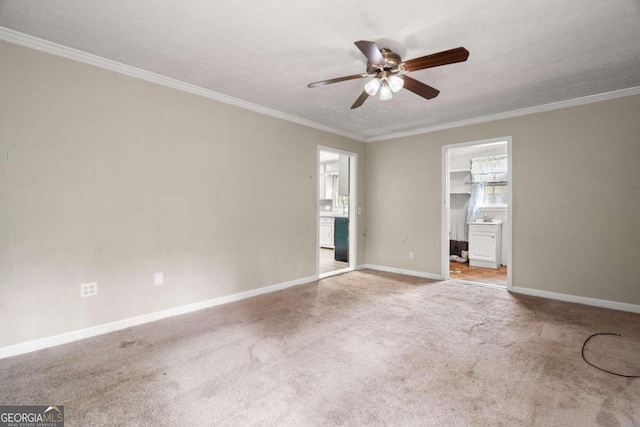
515 113
22 39
17 37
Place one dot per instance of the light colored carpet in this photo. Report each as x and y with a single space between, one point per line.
363 348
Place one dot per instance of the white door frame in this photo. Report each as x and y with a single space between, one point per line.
353 204
446 210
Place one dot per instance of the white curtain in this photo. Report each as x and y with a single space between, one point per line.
489 169
476 201
483 170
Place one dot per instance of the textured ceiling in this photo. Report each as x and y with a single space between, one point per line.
522 54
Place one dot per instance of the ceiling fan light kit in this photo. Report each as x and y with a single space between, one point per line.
395 83
386 85
389 72
372 87
385 92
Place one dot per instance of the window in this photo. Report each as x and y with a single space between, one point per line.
492 172
488 184
495 194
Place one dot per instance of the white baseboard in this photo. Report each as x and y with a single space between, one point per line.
401 271
38 344
67 337
615 305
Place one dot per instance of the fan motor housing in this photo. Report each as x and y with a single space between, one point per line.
392 61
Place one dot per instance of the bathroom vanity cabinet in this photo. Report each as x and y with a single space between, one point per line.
485 244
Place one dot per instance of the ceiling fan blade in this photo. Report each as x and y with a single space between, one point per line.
371 51
363 97
420 88
451 56
337 79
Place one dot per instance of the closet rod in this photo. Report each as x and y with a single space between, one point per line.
491 182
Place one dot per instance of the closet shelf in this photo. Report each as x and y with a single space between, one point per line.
460 171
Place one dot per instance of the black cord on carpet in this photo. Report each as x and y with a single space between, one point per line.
598 367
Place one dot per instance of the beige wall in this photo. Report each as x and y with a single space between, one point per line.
576 203
110 179
106 178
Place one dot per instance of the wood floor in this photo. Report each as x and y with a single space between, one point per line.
478 274
456 270
328 263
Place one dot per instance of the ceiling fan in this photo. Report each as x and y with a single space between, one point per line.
389 72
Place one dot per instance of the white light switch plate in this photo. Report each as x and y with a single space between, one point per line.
158 279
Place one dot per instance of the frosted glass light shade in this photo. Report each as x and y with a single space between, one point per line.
385 93
372 87
395 83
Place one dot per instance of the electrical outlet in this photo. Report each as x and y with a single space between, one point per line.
88 289
410 255
158 279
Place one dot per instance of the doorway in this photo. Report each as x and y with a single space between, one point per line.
477 205
336 247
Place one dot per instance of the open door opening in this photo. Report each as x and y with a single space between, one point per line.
477 212
336 202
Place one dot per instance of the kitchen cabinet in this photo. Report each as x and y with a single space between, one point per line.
485 244
329 180
343 175
326 232
323 186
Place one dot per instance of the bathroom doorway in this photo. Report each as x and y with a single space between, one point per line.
336 204
477 205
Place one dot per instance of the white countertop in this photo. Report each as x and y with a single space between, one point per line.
333 214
